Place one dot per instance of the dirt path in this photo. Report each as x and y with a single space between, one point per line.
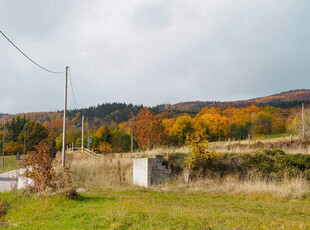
9 179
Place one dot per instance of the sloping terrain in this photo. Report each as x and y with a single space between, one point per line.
287 99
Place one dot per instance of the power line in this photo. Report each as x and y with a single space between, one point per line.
72 88
55 72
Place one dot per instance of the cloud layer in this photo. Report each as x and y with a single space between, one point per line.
151 52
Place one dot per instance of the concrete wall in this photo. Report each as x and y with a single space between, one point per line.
150 171
142 171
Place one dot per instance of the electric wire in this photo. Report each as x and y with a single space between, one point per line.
72 88
54 72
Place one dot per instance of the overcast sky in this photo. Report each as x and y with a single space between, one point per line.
151 52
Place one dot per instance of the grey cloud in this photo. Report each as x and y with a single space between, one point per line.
152 52
152 15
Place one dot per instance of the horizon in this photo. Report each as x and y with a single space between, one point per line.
61 110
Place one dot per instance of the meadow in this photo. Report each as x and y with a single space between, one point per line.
10 163
149 209
107 199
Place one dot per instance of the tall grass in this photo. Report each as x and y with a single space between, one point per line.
289 188
115 172
284 143
107 172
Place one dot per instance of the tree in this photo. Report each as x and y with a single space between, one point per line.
104 134
238 131
300 125
147 129
15 127
211 123
262 123
182 127
121 140
35 134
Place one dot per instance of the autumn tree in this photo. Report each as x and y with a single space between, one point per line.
182 127
35 134
15 126
147 129
262 123
300 125
238 131
211 123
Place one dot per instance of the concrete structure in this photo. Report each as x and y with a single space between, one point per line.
23 182
150 171
13 179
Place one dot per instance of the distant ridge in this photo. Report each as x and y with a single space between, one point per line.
120 112
286 99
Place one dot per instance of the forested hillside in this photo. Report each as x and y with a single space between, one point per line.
284 100
108 113
110 124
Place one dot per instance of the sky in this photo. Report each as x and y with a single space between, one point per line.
151 51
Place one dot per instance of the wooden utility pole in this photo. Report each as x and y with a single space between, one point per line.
82 146
303 120
131 122
131 141
63 159
2 165
25 130
88 139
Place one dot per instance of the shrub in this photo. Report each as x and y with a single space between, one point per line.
46 180
39 168
64 183
199 159
273 152
176 162
275 163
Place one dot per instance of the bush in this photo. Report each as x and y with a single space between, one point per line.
275 163
273 152
38 165
199 160
270 164
39 168
177 162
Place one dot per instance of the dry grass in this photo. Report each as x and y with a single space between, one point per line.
111 171
158 151
296 188
114 171
107 172
243 147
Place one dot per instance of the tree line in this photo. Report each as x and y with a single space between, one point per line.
149 128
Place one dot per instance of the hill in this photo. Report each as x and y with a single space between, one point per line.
283 100
119 112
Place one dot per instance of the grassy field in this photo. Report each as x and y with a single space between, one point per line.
10 163
112 202
157 210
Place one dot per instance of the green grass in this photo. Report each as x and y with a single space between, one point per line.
10 163
157 210
278 135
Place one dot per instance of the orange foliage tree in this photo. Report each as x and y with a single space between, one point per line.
147 129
